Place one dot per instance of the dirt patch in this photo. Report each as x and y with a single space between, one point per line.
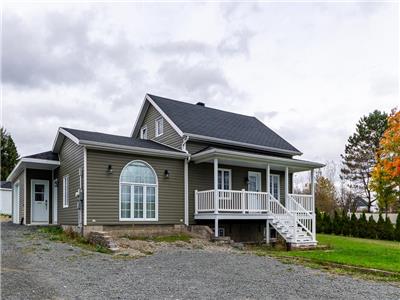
5 218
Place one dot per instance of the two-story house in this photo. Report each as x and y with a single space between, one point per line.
183 164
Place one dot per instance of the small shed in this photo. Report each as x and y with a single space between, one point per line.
5 198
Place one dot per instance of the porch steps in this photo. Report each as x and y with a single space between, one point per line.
285 229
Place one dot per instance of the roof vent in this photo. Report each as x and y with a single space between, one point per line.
200 104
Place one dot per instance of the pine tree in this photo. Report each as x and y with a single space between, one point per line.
327 223
388 230
345 224
362 226
354 225
318 220
359 155
371 227
380 228
9 154
397 230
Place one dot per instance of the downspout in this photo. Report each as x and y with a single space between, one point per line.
186 181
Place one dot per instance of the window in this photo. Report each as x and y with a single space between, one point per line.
143 133
65 191
274 186
138 192
224 179
39 192
159 126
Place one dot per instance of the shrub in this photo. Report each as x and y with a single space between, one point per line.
345 224
388 230
337 224
362 226
318 221
371 228
397 230
327 223
354 225
380 228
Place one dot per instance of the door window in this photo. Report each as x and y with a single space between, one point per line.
274 186
224 179
39 192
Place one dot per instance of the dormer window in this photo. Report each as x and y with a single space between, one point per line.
143 133
159 127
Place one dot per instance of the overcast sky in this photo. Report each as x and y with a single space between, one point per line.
308 71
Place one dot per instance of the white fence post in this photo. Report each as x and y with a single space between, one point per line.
216 194
196 202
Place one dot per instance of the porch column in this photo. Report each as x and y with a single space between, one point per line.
267 179
216 187
267 233
216 227
286 185
314 225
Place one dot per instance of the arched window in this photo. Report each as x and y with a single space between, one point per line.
138 192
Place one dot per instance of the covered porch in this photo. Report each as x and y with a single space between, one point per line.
270 200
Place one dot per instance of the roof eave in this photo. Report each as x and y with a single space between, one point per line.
17 169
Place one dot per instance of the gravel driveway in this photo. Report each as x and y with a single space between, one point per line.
34 268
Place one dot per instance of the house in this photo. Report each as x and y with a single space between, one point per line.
5 198
184 164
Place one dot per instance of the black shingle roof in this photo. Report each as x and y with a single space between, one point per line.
117 140
5 184
210 122
49 155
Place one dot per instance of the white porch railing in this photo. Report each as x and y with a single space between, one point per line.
304 217
231 201
306 201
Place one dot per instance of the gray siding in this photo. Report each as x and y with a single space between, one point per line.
170 137
201 177
71 159
194 147
103 188
32 174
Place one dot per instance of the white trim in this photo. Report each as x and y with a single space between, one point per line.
139 116
15 208
157 132
5 189
230 177
267 179
155 219
45 182
31 160
65 191
186 191
233 216
142 136
231 142
84 186
208 154
130 149
66 134
54 189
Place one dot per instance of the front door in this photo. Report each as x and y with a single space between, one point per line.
40 201
254 185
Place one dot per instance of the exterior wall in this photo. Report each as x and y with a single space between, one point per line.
21 208
194 147
201 177
32 174
103 188
71 159
6 201
170 137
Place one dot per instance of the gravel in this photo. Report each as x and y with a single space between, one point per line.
35 268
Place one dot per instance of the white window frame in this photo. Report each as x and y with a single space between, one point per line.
16 198
144 185
159 130
143 136
230 178
66 191
272 187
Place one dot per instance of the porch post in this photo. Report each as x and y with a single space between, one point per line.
314 225
267 233
267 179
216 187
286 185
216 227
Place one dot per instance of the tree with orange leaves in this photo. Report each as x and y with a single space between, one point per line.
386 173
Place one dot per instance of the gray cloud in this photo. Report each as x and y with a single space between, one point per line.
181 48
236 43
262 115
384 85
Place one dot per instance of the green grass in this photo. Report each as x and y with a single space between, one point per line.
55 233
373 254
167 238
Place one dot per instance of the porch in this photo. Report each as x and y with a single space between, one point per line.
292 215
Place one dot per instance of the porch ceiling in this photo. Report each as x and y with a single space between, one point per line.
251 160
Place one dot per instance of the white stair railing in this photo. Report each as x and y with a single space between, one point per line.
283 215
303 216
307 201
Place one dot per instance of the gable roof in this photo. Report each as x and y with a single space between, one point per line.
48 155
113 142
5 185
204 123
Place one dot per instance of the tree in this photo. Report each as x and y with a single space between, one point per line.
397 230
385 177
359 155
345 223
371 227
337 224
354 225
388 230
325 194
9 154
318 220
362 226
380 228
326 220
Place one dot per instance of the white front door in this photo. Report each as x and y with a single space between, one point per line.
254 185
40 201
15 212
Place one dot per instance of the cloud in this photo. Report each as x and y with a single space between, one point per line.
384 86
181 48
236 43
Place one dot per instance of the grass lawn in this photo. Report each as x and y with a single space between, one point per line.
382 255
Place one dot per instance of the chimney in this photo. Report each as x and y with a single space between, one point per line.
200 104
